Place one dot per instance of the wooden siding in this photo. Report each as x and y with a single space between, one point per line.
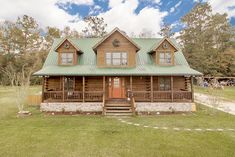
53 83
156 56
179 83
124 46
71 49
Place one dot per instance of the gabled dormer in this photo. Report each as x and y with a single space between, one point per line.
163 52
68 52
116 50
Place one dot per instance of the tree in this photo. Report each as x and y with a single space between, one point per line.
27 34
19 73
67 32
96 27
6 37
51 34
145 33
166 31
205 39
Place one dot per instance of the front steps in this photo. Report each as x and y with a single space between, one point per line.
118 108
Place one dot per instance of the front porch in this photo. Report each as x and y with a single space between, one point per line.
95 89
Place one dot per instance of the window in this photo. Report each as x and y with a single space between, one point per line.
116 58
164 83
66 58
116 83
165 57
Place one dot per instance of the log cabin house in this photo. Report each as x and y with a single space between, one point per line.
116 75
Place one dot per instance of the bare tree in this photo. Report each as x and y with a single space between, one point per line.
96 27
20 78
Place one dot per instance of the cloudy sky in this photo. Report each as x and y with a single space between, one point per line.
132 16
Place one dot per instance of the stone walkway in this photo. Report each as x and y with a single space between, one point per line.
215 102
175 128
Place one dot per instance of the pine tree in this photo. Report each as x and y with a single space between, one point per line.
96 27
205 39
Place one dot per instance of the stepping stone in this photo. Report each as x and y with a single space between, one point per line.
220 129
187 129
165 128
176 128
209 130
146 126
137 124
198 129
155 127
231 129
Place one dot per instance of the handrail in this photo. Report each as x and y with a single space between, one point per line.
103 104
133 105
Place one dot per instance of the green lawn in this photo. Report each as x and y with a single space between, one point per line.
227 92
61 136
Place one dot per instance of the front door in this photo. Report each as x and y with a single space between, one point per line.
116 87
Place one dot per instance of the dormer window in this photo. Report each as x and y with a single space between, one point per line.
68 52
165 57
67 58
116 58
163 52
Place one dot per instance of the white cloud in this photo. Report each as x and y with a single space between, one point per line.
123 15
45 12
223 6
78 2
172 9
176 6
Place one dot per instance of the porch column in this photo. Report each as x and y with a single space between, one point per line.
131 83
172 92
104 85
151 81
83 88
43 84
63 87
192 92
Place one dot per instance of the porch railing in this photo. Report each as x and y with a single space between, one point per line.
97 96
142 95
94 96
162 96
72 96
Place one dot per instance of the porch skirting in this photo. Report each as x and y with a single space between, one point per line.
71 107
165 107
97 107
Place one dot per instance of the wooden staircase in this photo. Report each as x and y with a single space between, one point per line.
119 107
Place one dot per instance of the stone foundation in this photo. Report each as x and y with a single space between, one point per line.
165 107
72 107
97 107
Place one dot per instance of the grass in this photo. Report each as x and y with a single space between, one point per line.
67 136
227 92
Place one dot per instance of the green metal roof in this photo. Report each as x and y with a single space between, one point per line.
87 61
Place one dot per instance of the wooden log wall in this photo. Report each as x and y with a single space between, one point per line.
93 84
53 83
179 83
78 83
141 88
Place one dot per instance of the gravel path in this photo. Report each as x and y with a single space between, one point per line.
176 129
215 102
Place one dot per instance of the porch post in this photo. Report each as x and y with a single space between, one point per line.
63 86
172 94
104 85
131 83
43 84
192 92
83 88
151 81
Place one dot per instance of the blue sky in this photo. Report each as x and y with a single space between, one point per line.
175 9
132 16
